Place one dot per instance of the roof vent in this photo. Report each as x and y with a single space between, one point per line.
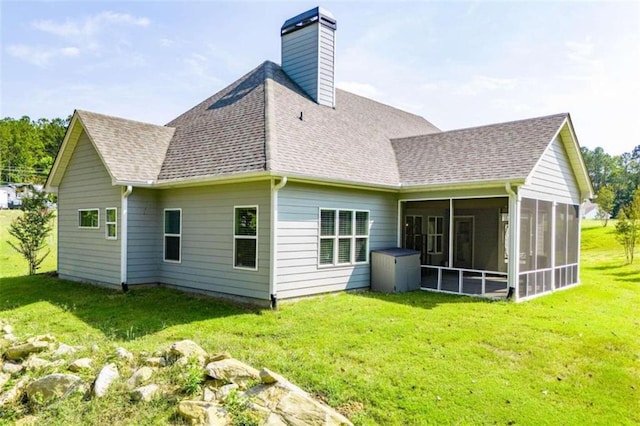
308 53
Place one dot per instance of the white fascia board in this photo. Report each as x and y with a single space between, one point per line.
482 184
58 166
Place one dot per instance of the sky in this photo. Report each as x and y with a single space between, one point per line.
458 64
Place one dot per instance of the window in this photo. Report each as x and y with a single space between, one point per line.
245 237
172 234
344 237
111 223
89 218
435 226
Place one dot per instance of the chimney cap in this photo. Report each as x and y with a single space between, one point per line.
307 18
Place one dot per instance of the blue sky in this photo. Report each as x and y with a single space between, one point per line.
458 64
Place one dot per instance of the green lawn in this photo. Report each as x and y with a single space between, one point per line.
572 357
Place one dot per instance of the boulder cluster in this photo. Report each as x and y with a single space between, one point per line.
222 390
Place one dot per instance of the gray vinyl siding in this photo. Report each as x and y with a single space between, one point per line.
297 251
85 254
308 58
144 242
300 58
326 66
207 239
553 178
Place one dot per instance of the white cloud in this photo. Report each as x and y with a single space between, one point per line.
580 51
362 89
89 26
480 83
40 56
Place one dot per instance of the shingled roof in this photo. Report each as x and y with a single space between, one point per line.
497 152
264 123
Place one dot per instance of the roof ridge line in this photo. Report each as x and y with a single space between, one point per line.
83 111
561 114
270 147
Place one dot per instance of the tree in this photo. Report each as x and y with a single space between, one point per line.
628 226
32 228
605 200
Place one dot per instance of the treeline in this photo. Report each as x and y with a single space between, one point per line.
29 147
614 177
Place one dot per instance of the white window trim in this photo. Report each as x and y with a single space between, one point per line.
164 235
245 237
88 227
107 223
337 237
435 234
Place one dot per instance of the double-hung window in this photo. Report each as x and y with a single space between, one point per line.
344 237
172 235
111 223
89 218
245 237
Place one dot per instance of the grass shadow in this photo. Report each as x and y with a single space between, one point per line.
424 299
124 316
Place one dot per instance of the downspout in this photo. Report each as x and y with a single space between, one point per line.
123 237
512 268
273 249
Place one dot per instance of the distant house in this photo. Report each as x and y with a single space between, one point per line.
280 186
591 210
8 196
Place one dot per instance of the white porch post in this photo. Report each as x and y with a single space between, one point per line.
514 242
553 245
450 264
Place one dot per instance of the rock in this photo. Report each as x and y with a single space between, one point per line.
208 394
63 350
204 413
225 390
12 368
187 349
274 420
145 393
155 361
232 370
105 378
13 394
140 376
4 378
81 364
33 345
42 338
219 357
267 376
7 329
53 386
294 406
10 337
123 354
35 363
95 348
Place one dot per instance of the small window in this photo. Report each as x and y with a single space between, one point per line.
111 223
89 218
344 237
172 235
245 237
435 225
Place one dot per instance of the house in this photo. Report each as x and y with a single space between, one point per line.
591 210
280 186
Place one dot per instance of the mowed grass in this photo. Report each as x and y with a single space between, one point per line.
572 357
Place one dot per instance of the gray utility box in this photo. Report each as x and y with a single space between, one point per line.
395 270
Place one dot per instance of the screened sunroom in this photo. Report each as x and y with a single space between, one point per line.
467 245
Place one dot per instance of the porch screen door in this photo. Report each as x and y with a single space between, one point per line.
463 242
